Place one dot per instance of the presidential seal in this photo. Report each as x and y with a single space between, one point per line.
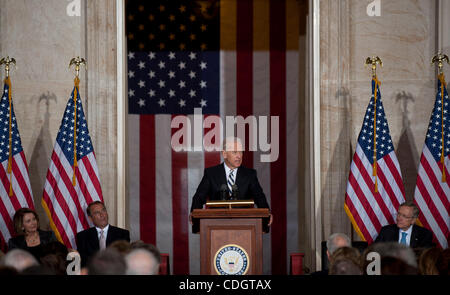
231 260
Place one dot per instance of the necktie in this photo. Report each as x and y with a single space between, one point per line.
403 239
230 181
102 240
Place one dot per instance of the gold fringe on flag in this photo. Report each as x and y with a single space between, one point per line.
377 83
443 84
8 82
75 163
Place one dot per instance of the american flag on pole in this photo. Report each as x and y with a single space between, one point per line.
228 58
72 179
432 194
15 187
375 187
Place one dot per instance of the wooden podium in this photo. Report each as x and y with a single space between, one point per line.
230 239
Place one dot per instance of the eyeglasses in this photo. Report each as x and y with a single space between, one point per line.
404 216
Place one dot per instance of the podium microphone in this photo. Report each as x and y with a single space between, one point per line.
234 192
224 192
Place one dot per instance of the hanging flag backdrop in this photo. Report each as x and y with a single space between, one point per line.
375 187
72 179
15 187
432 194
228 58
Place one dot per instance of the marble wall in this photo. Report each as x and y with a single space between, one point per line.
42 37
404 37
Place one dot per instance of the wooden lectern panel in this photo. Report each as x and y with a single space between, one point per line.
240 228
217 233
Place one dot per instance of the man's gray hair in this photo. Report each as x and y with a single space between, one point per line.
332 242
396 250
414 207
19 259
230 139
141 262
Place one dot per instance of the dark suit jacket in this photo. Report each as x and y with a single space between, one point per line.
420 237
88 243
214 177
19 241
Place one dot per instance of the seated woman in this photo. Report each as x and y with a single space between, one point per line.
28 235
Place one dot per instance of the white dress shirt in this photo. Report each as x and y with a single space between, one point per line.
105 231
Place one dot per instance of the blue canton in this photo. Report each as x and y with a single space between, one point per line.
65 137
434 134
4 128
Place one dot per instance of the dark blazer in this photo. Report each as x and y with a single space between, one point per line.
88 243
214 177
20 242
420 237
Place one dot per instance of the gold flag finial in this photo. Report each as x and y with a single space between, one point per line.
7 61
373 61
439 59
77 61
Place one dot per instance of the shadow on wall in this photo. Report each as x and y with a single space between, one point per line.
40 158
338 169
406 150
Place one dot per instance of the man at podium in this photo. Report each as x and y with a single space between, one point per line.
229 180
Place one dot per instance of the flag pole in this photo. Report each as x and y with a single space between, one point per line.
7 62
439 59
373 61
77 61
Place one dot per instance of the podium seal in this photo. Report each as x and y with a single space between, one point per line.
231 260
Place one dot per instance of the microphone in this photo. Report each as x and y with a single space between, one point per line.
234 192
224 192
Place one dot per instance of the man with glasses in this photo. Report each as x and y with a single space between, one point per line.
405 231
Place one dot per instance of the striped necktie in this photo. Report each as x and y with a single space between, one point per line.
230 182
102 240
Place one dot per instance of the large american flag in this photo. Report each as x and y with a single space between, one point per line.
374 193
228 58
64 203
15 187
432 194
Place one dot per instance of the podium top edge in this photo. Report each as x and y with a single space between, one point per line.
231 213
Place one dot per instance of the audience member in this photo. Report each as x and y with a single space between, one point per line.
122 246
19 259
334 242
29 237
150 247
106 262
443 262
141 262
395 266
428 261
345 261
396 250
41 270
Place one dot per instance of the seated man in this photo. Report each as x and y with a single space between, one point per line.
99 236
405 231
230 176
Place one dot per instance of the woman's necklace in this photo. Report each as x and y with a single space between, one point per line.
32 240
